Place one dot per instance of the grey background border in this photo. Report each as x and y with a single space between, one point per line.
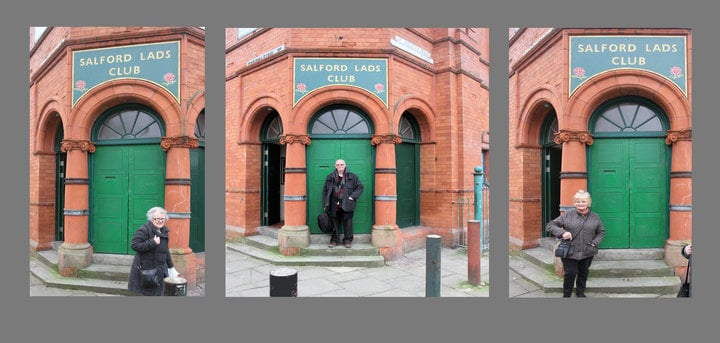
215 318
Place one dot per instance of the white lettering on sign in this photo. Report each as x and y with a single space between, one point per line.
413 49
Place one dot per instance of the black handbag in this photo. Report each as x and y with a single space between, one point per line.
325 223
684 291
149 278
562 248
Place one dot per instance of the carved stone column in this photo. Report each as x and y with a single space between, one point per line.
177 203
386 235
295 234
75 253
680 221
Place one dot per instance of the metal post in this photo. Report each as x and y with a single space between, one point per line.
433 251
478 192
283 282
474 251
174 286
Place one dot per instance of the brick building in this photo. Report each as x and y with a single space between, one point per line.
117 117
407 108
608 111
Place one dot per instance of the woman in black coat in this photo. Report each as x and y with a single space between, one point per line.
585 231
150 243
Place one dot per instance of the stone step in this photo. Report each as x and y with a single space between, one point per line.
51 278
338 258
605 268
314 249
548 243
599 280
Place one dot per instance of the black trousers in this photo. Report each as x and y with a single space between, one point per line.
344 218
576 272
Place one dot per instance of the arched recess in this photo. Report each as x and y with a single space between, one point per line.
253 116
47 125
422 113
408 164
118 92
370 105
194 111
272 173
532 113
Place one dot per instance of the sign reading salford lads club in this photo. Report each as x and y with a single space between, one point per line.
158 63
663 55
369 74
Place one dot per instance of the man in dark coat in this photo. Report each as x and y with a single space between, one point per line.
150 243
340 193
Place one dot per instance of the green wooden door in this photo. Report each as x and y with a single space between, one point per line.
197 199
408 199
358 155
127 182
628 183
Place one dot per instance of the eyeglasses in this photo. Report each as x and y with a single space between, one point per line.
339 164
159 219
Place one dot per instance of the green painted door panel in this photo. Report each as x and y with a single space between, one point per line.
358 155
407 185
110 199
628 180
197 199
127 182
648 193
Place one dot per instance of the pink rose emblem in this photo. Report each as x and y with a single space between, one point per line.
379 88
579 72
80 85
169 79
676 72
301 87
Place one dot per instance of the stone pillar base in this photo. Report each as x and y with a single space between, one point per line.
388 239
73 257
186 265
292 239
673 253
559 271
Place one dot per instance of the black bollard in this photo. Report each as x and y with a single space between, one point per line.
174 286
283 282
433 249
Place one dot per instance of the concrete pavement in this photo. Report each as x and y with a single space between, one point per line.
246 276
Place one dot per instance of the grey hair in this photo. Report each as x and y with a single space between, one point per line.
154 210
581 194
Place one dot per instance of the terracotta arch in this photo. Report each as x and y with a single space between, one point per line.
421 111
532 115
117 92
253 117
369 104
197 105
624 82
47 125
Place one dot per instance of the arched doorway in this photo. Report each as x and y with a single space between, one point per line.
551 162
628 166
127 175
272 171
407 162
60 165
197 187
341 132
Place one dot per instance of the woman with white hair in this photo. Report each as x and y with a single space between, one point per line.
152 261
584 230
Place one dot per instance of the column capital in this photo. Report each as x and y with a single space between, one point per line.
291 138
77 144
673 136
179 142
582 136
387 139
